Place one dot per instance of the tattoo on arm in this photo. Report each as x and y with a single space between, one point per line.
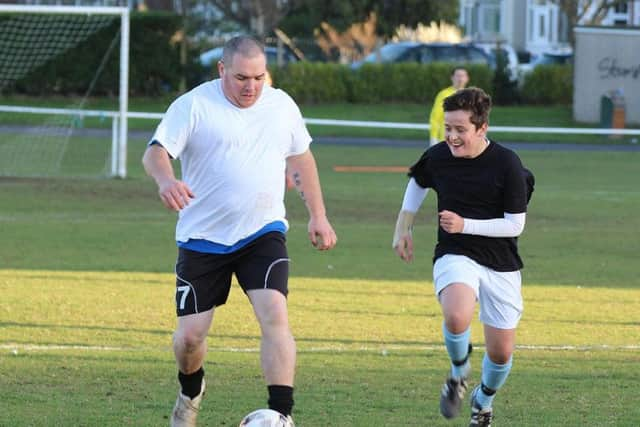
297 179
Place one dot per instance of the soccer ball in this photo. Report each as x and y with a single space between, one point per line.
265 418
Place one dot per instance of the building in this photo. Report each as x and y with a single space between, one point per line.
537 26
606 65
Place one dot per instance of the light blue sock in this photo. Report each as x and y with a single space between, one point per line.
457 347
493 377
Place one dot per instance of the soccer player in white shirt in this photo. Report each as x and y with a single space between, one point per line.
234 137
483 191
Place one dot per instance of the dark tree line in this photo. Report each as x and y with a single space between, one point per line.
300 17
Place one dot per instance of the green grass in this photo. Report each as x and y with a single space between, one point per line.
574 211
86 312
369 353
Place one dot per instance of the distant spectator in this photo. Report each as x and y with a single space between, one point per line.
459 80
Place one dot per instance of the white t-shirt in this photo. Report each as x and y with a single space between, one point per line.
233 159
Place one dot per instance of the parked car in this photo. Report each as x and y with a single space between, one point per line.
425 53
210 57
547 58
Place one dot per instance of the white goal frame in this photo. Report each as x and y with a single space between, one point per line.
119 138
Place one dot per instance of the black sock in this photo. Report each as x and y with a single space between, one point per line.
463 361
281 398
486 390
192 383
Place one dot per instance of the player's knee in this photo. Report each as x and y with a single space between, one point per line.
270 307
189 340
457 322
274 321
500 354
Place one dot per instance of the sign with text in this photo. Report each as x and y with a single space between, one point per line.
606 61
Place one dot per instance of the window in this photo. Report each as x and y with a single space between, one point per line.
426 55
620 14
491 20
410 55
450 54
563 28
476 56
621 8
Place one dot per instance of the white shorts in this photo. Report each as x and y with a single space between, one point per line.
499 293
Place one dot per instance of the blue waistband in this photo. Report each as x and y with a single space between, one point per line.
202 245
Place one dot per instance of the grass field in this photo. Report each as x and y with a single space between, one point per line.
86 311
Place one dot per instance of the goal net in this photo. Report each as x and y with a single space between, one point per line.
53 60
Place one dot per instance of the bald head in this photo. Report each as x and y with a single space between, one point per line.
246 46
242 70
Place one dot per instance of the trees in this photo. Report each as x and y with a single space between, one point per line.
586 12
393 13
313 20
259 16
346 29
308 15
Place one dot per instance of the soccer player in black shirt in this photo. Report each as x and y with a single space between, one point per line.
483 190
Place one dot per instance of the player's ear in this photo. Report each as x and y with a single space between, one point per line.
220 68
482 130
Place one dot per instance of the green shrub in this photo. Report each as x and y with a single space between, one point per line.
309 82
548 84
312 83
505 90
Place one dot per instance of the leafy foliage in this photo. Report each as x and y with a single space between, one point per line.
505 91
549 84
309 14
372 83
259 16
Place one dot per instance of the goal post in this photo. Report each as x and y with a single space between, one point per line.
118 164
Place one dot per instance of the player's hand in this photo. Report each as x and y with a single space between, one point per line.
451 222
402 241
321 234
404 248
175 195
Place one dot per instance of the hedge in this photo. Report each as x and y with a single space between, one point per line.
406 82
548 84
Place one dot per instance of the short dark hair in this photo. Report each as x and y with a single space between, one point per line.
473 100
245 45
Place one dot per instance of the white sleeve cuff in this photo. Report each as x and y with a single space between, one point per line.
511 225
413 196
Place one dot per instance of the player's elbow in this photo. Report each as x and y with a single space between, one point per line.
517 222
518 230
147 162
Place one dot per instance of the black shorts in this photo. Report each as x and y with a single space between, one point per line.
203 280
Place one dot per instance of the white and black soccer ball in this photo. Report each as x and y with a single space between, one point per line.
266 418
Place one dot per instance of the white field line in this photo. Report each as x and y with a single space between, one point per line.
16 348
